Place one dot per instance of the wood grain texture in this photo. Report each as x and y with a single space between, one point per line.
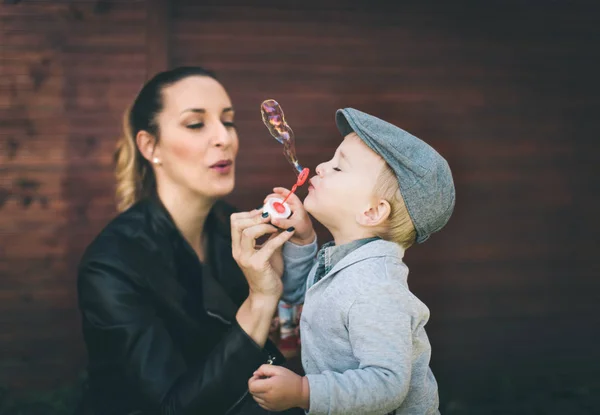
68 72
506 91
158 29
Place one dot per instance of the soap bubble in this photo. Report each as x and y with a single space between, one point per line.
272 116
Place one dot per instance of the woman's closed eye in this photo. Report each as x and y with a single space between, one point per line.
337 169
198 125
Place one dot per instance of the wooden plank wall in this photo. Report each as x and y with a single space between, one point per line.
506 94
68 69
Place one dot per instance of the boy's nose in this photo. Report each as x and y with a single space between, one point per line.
319 170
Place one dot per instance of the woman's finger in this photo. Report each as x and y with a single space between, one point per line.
236 218
255 219
269 248
234 221
284 224
250 234
243 221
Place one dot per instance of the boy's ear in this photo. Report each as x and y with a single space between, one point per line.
146 142
375 214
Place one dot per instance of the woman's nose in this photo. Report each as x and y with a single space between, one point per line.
222 136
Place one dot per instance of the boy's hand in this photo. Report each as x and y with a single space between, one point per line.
276 388
299 219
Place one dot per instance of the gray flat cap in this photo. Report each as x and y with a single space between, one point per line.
424 176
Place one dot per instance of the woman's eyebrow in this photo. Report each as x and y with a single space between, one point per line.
200 110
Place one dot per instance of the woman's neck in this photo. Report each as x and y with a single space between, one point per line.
189 212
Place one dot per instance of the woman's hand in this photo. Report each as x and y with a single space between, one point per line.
299 220
258 265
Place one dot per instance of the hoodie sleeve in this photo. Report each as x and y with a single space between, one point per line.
298 261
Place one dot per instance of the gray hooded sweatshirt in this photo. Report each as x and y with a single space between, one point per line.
364 346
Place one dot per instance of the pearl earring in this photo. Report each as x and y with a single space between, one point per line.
155 160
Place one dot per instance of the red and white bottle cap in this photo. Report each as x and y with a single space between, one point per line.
276 209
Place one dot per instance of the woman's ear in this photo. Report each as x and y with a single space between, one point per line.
147 144
375 214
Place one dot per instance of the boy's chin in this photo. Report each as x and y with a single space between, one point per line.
321 215
310 205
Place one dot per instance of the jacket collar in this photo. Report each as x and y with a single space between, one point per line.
162 223
374 249
224 287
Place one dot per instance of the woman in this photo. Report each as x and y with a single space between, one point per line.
173 321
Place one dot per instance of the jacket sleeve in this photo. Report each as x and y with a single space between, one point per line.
121 328
298 261
380 334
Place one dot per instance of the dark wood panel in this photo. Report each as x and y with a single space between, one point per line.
505 94
69 71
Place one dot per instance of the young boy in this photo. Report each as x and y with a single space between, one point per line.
364 346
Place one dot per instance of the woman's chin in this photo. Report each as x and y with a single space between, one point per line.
217 190
223 191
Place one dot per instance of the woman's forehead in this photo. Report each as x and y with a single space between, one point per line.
196 92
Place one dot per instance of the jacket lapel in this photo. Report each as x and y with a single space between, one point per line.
223 283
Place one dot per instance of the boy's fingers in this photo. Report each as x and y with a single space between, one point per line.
252 384
259 387
260 399
281 190
269 370
294 201
262 403
281 193
261 371
260 395
276 195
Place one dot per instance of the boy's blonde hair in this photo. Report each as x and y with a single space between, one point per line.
398 227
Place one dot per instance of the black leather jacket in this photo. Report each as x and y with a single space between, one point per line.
159 326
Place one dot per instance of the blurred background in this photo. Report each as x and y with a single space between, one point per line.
507 91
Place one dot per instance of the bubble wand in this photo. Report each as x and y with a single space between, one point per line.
274 120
